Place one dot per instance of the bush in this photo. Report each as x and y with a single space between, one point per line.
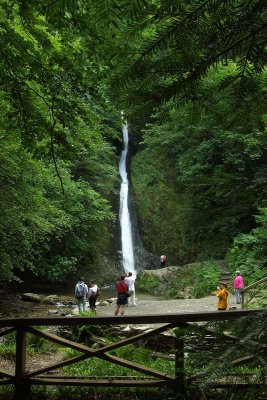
207 277
148 283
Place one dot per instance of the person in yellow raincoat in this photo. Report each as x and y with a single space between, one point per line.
222 294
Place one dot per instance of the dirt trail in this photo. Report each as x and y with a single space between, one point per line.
13 306
145 306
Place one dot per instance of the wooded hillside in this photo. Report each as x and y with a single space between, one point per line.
191 78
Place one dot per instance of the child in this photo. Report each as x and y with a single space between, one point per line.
222 294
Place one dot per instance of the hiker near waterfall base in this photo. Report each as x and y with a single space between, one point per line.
81 294
163 260
122 297
130 280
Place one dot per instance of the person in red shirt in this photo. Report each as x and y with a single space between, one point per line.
122 297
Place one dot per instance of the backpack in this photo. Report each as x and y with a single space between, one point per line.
80 292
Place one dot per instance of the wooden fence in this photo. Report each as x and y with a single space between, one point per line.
23 379
251 291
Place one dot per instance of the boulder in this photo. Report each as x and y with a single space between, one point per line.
52 299
33 297
103 303
53 312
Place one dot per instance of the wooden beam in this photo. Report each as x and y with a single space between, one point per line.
84 381
93 352
6 375
57 365
254 284
179 361
242 360
22 380
101 352
173 318
7 331
21 387
137 367
7 382
62 341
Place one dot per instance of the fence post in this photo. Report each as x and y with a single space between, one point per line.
179 360
243 299
22 389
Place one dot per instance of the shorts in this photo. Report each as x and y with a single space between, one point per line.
122 299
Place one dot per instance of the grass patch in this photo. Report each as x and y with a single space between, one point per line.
95 367
147 282
206 278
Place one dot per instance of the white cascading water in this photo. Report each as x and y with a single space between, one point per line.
125 223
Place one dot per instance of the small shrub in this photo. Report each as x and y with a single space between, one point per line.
148 283
8 351
206 279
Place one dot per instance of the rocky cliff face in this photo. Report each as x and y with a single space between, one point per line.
169 282
174 282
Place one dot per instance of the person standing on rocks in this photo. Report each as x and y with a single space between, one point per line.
122 297
163 260
81 293
238 286
130 280
92 295
222 294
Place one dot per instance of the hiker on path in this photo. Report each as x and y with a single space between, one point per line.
92 295
238 286
122 297
222 294
130 280
163 260
81 293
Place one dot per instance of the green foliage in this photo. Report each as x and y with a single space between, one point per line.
39 345
147 282
58 128
199 174
248 253
180 281
35 345
173 45
207 277
252 332
198 279
98 367
8 351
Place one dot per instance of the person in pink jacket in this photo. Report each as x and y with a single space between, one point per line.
238 286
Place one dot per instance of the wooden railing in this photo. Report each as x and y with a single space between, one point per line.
23 378
259 285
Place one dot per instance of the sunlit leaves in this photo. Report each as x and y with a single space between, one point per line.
54 102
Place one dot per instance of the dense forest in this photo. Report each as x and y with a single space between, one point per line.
191 79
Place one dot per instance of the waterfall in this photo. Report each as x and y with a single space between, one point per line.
125 223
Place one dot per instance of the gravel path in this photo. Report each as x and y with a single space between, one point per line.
145 306
13 306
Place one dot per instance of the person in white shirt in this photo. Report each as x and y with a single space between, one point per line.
130 280
92 295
